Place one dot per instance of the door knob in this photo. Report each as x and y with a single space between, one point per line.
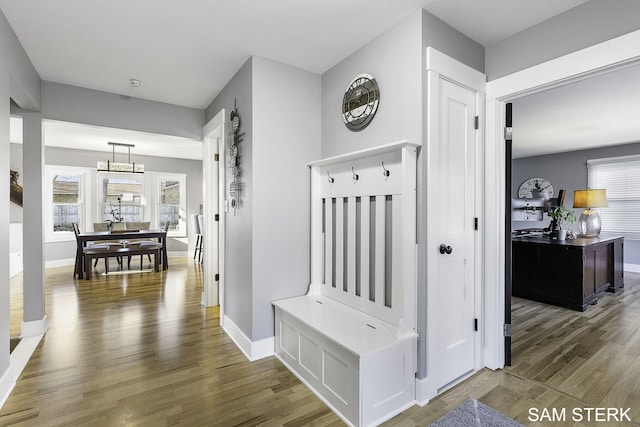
444 249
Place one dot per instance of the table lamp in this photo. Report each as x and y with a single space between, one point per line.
589 222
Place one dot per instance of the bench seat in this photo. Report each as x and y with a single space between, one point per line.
99 252
338 352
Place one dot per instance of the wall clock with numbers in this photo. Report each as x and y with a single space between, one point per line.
360 102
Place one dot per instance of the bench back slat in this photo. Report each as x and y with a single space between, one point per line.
363 238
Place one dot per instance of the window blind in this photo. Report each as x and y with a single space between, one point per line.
620 176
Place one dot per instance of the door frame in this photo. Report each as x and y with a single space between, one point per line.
601 58
440 66
213 142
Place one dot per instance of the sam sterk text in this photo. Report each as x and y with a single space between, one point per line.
605 415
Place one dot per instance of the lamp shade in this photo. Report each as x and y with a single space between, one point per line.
591 198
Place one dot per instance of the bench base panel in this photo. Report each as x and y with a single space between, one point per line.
362 389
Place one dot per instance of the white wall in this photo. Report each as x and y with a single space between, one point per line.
286 136
15 161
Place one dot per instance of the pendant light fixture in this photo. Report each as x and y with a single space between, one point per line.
120 167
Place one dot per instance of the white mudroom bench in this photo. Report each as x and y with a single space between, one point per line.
352 338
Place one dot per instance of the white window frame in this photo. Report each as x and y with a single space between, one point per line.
83 197
155 180
629 166
150 197
100 196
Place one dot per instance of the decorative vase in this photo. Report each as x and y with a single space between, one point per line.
562 234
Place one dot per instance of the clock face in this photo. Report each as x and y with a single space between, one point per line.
535 188
360 102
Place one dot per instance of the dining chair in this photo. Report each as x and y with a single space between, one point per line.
90 247
113 244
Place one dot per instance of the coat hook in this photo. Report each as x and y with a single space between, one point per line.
331 179
356 177
385 172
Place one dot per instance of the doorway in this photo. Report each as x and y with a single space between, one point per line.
453 168
604 57
213 162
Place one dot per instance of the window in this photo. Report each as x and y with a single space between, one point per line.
65 196
157 197
121 198
171 206
620 176
65 202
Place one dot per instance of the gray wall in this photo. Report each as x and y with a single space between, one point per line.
85 158
286 136
568 171
397 60
268 241
92 107
238 239
20 81
586 25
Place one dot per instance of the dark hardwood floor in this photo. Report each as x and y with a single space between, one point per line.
139 350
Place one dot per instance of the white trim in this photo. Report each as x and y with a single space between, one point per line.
619 159
632 268
7 383
18 360
253 350
603 57
618 52
84 199
422 392
214 193
34 328
455 71
59 263
177 253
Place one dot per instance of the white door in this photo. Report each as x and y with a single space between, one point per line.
451 236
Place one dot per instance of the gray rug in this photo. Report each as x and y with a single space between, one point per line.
474 413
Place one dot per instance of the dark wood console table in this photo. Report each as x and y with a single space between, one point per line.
570 273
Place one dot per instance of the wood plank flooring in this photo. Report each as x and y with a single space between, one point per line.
139 350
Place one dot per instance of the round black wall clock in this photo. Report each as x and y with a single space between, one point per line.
360 102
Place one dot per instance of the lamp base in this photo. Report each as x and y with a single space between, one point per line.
589 223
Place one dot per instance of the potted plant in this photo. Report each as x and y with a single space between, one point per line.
560 214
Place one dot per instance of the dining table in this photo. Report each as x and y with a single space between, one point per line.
83 238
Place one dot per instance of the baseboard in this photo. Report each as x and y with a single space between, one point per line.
18 360
177 253
60 263
6 385
34 328
422 396
633 268
253 350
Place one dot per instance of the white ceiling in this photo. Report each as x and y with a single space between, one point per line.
184 52
591 113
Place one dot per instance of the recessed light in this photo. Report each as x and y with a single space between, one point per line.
135 82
